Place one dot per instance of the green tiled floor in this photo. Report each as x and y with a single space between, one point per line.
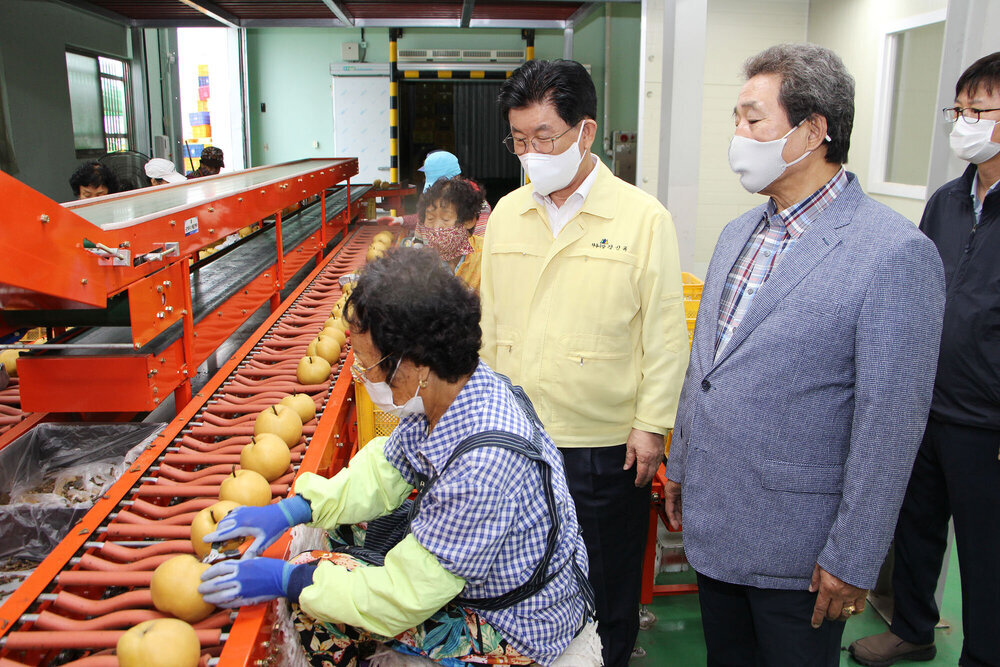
676 638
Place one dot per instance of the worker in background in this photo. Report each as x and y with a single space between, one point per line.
810 378
448 211
440 165
211 163
582 306
487 565
957 474
93 179
163 172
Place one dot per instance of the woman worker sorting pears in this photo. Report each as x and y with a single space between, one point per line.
492 569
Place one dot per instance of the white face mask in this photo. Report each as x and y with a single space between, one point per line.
759 163
971 142
381 395
549 173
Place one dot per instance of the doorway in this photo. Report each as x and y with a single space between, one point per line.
461 117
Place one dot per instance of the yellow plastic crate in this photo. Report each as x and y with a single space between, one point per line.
691 307
202 131
372 422
33 335
692 286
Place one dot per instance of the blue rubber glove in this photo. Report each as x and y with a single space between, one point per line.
264 524
235 583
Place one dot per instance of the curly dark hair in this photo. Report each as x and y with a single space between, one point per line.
415 308
464 195
93 174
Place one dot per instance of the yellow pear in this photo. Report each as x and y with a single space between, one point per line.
335 333
162 642
9 359
327 348
266 455
205 522
175 587
246 487
281 420
302 404
313 370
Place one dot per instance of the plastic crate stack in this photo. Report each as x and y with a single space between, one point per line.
200 121
692 299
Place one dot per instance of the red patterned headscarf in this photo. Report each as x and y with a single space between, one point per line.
450 242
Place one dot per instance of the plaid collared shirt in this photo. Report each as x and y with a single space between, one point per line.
776 233
486 520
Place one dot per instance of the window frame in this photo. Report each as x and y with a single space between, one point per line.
881 122
126 80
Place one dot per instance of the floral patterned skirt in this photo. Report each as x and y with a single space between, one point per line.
454 636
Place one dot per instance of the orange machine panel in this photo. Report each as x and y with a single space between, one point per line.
156 302
43 382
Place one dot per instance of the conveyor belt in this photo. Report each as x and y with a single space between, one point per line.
95 584
114 212
215 282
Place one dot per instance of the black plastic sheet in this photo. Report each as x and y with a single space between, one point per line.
78 461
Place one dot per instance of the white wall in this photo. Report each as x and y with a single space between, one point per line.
33 41
854 29
736 30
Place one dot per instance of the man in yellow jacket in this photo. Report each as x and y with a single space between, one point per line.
582 306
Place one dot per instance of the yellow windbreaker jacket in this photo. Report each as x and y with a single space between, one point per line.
590 323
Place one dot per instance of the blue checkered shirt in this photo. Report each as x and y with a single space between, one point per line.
774 236
486 520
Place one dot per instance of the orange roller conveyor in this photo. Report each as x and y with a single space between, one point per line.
99 639
123 553
95 583
138 599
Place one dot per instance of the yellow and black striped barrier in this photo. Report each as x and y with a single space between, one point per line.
456 74
393 108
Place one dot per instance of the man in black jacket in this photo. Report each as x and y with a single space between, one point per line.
957 471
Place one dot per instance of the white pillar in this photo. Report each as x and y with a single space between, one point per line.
568 44
671 79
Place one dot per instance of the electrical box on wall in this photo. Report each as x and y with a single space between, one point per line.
350 51
623 155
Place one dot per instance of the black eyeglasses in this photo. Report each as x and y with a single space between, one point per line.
968 114
544 145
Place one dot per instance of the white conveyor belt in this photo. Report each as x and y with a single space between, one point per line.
136 206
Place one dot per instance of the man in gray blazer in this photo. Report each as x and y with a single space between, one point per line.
810 378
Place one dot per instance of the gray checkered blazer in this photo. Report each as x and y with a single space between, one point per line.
795 447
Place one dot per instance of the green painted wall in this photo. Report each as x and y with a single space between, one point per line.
289 71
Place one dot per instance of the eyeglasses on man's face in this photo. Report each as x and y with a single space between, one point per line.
968 114
544 145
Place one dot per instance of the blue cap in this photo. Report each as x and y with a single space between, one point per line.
438 165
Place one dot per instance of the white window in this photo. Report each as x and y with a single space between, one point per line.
99 103
906 106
